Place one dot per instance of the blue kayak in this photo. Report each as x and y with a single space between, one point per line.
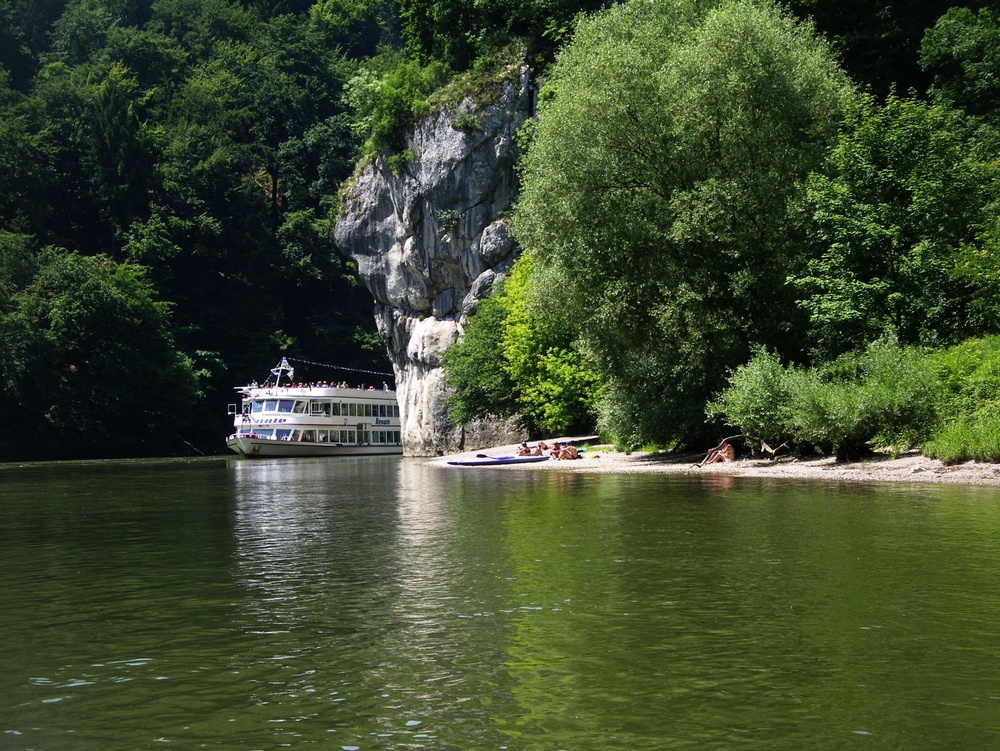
487 461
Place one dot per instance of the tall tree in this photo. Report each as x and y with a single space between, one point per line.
671 144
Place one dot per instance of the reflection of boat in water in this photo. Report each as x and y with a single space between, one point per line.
314 419
482 460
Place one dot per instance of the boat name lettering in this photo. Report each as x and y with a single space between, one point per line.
381 422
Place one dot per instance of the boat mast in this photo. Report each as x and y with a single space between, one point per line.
283 368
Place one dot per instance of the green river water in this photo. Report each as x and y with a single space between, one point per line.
388 604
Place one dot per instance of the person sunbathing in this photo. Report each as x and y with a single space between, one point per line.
568 452
723 453
538 450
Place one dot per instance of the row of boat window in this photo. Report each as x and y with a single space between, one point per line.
325 436
323 408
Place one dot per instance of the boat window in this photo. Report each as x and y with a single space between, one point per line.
283 434
286 405
271 405
381 410
368 410
364 436
321 436
318 409
257 406
335 409
353 409
350 436
264 432
309 436
296 434
300 408
395 436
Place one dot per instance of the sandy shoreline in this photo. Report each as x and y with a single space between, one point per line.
912 467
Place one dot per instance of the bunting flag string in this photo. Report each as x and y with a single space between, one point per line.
338 367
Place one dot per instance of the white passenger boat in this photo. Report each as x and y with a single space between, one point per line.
283 417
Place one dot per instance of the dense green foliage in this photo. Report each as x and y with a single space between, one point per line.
515 361
961 51
946 400
196 146
887 395
969 375
88 359
879 43
704 181
670 221
908 191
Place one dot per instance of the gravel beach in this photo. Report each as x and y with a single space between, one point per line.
911 467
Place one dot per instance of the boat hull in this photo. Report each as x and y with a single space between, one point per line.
254 448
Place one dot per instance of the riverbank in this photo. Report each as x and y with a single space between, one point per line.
911 467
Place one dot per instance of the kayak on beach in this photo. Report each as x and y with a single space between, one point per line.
482 460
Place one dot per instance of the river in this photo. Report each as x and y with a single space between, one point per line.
388 604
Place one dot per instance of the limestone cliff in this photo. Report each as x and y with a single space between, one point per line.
429 242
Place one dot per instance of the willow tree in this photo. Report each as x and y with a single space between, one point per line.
670 151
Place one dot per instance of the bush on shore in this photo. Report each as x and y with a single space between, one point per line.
969 374
947 402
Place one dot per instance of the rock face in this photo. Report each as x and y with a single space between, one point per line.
431 241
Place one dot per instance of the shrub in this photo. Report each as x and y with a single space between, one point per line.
969 374
898 394
388 102
885 396
758 398
968 436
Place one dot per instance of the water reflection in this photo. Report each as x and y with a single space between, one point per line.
383 603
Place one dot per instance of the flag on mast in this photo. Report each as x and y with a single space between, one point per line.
283 367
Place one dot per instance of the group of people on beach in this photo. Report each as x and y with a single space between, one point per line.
558 450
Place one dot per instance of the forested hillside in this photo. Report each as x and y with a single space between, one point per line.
706 180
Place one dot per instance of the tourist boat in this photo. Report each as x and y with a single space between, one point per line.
285 418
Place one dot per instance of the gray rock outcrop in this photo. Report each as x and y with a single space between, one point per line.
429 242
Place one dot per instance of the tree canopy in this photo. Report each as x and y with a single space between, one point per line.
671 218
906 195
87 359
704 177
198 147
